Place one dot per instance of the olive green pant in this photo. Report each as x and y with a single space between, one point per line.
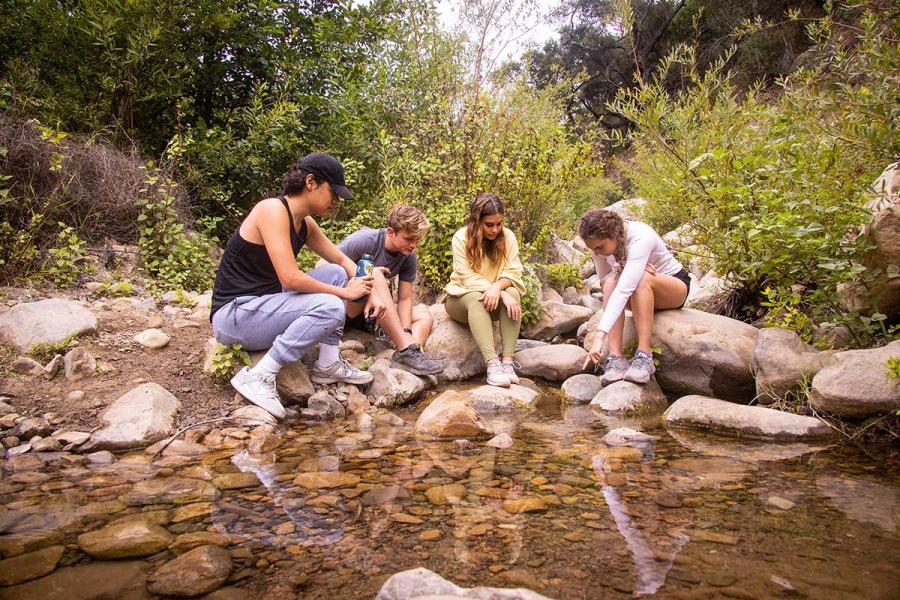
469 309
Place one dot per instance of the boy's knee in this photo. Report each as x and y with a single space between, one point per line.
333 308
331 274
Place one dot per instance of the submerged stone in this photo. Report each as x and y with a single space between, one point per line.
196 572
26 567
422 583
126 538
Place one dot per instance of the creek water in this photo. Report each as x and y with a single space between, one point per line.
561 512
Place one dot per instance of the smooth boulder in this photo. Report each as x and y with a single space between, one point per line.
581 388
126 538
50 321
489 399
450 416
428 585
454 341
556 362
704 354
856 383
140 417
782 363
701 412
557 318
629 397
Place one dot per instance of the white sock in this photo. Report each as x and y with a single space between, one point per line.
328 355
268 367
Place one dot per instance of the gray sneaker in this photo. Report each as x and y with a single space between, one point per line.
510 369
412 359
614 369
340 371
642 368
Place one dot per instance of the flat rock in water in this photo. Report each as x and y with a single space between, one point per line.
856 383
171 490
501 441
556 362
252 416
628 397
138 418
198 571
625 436
557 318
490 399
45 322
394 387
126 538
92 581
720 416
450 416
26 567
581 388
326 479
422 583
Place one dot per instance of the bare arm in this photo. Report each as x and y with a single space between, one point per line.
272 224
319 243
405 303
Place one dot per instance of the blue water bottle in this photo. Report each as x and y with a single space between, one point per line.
365 265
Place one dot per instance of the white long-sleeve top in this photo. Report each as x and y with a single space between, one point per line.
643 245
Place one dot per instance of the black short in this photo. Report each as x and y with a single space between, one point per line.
686 278
357 322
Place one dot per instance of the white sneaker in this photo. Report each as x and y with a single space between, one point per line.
259 390
496 374
340 371
509 368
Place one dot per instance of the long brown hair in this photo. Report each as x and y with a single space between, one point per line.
603 224
484 205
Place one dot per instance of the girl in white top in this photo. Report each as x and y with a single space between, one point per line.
641 273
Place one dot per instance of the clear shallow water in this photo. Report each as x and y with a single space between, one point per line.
688 515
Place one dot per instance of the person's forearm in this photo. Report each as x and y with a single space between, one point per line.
305 284
504 283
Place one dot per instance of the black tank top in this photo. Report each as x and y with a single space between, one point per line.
247 270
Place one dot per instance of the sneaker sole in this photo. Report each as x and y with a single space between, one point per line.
606 382
641 381
415 371
330 380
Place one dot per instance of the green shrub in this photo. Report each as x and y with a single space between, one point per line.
116 289
175 258
43 352
226 359
531 301
774 190
562 275
67 258
893 369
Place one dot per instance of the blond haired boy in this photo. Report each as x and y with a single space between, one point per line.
394 249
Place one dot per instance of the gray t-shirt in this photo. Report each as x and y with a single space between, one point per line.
371 242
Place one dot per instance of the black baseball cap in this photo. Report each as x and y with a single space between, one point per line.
326 168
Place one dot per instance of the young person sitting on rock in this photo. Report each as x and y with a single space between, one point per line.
263 301
394 249
641 273
486 285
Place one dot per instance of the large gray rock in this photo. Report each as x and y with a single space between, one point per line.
707 293
564 251
138 418
556 362
45 322
196 572
490 399
704 354
394 387
701 412
581 388
422 584
855 383
125 538
782 363
629 208
454 341
450 416
557 318
628 397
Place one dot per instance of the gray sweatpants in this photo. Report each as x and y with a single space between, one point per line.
290 323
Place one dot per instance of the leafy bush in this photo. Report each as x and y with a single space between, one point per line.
116 289
531 301
562 275
175 258
774 192
66 258
226 359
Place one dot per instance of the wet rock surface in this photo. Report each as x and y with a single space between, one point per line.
628 397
